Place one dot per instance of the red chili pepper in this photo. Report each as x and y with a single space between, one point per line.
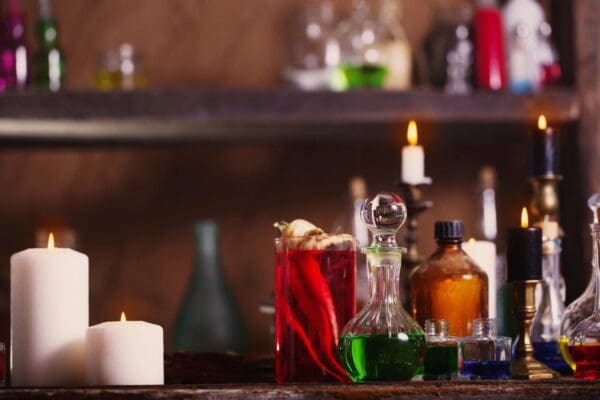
299 330
312 293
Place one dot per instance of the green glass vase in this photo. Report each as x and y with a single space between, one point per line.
209 319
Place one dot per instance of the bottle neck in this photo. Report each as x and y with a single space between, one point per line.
436 327
485 327
449 244
384 279
47 33
207 251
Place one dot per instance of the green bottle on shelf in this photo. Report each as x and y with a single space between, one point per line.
49 60
209 319
382 342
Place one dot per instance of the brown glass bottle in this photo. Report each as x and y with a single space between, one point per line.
449 285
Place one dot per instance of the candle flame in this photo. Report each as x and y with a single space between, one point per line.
123 317
472 240
542 122
51 241
524 218
411 133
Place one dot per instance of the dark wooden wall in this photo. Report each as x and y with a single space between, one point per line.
133 206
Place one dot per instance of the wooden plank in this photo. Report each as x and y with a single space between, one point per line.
513 390
226 114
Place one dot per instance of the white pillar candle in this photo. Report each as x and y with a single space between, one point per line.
48 317
484 254
413 158
125 353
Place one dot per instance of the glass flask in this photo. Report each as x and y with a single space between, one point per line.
485 355
314 298
545 327
584 342
583 306
383 342
209 319
441 356
360 38
449 285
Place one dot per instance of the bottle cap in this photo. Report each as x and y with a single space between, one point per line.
449 230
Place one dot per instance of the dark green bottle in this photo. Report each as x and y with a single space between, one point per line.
49 61
209 318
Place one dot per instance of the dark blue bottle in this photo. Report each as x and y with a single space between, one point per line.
486 356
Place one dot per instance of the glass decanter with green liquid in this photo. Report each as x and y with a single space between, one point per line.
383 343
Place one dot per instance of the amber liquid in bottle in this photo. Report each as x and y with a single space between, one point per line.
449 285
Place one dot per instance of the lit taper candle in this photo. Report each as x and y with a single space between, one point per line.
524 251
545 150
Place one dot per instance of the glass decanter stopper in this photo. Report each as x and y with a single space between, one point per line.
383 342
485 355
583 306
545 327
441 356
584 342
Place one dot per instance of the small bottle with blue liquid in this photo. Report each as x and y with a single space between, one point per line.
486 356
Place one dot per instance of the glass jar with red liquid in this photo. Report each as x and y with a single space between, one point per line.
314 298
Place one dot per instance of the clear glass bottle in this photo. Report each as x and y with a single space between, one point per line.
584 342
441 356
383 342
449 285
360 38
583 306
208 318
314 49
545 327
485 355
395 49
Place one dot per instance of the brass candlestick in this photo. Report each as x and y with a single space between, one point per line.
415 205
545 202
524 365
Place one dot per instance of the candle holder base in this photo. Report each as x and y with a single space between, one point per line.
528 368
525 366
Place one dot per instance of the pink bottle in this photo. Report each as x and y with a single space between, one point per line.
490 68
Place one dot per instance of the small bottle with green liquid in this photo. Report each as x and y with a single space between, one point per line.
441 357
382 342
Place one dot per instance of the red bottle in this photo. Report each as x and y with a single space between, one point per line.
490 66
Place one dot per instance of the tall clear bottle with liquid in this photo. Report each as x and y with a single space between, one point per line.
545 327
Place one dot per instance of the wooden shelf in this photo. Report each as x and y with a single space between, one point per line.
265 114
513 390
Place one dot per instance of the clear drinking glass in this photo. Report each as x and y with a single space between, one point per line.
314 299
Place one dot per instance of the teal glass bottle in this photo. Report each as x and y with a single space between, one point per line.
49 60
209 319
